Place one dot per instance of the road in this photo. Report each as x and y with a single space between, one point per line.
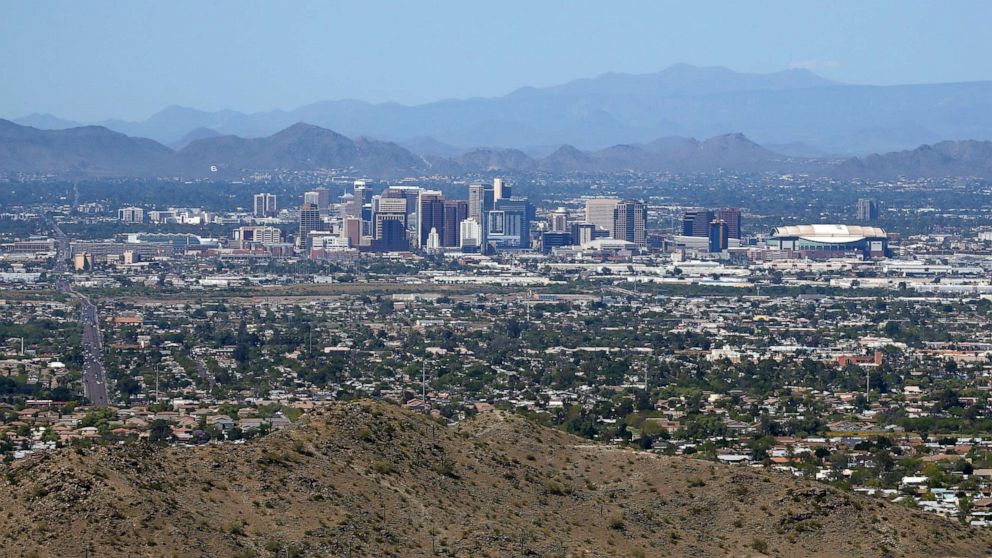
203 372
94 375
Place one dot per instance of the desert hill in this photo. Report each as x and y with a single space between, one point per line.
369 479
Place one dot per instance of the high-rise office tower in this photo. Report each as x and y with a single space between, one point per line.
470 235
264 205
430 215
411 194
508 226
583 233
501 190
481 199
558 220
719 234
388 209
363 192
630 222
392 234
321 197
351 228
697 222
455 211
732 217
599 212
309 221
867 210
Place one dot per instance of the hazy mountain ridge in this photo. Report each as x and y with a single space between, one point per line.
87 150
299 147
948 158
370 479
96 151
193 135
777 108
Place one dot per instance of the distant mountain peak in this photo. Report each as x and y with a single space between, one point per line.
947 158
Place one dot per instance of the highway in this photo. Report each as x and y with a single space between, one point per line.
94 375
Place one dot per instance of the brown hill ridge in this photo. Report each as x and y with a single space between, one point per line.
369 479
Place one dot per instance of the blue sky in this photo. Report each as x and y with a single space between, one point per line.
128 59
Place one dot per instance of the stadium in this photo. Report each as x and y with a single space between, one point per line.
828 241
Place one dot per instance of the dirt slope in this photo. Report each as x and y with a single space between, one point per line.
368 479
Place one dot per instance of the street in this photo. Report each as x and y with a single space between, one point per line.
94 376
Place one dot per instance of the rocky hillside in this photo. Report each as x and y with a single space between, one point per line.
368 479
947 158
89 150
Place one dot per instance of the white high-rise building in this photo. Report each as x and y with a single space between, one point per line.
501 190
433 242
470 234
599 212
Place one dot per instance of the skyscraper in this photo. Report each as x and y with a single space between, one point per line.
558 220
363 192
392 234
481 199
599 212
264 205
411 194
470 235
697 222
508 226
732 217
455 211
309 221
501 190
352 230
321 197
430 215
583 233
630 222
867 210
718 236
387 209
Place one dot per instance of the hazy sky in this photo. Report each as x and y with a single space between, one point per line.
128 59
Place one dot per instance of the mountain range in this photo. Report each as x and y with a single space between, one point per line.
370 479
98 152
789 108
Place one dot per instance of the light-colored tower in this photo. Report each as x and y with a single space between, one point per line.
558 220
599 212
